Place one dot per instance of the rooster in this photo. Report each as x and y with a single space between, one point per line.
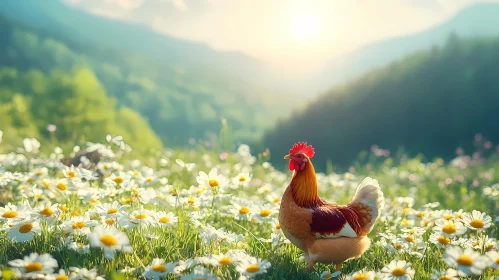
326 232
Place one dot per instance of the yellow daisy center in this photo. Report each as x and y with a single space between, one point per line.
445 277
75 214
135 191
225 261
47 212
118 180
213 183
409 239
93 200
476 223
112 211
275 200
164 220
71 174
397 246
149 180
62 277
25 228
448 217
278 226
108 240
244 210
79 225
326 276
10 214
109 221
242 178
398 271
449 228
265 212
198 278
159 268
405 222
497 260
190 200
46 183
252 268
38 173
361 276
63 208
34 266
443 240
62 186
406 210
420 214
464 260
140 216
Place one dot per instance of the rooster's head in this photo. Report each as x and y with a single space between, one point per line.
299 156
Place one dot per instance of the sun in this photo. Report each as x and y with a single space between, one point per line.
304 27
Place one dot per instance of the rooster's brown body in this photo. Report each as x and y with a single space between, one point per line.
326 232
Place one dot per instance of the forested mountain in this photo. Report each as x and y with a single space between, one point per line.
430 102
178 103
75 102
478 20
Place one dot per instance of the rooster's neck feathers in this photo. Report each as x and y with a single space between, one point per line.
304 187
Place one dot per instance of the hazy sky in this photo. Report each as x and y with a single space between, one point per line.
283 32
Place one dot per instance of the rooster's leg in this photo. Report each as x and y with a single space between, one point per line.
309 266
339 266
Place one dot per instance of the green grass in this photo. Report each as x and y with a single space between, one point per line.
424 182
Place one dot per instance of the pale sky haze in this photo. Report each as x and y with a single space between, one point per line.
282 32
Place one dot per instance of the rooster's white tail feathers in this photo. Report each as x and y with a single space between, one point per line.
369 193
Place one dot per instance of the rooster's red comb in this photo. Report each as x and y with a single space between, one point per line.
308 150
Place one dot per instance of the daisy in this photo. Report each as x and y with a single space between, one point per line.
242 209
11 213
34 265
263 213
449 274
158 269
398 270
80 248
251 267
111 210
440 240
199 273
449 228
476 220
24 231
84 274
79 225
61 275
225 259
329 275
110 239
241 180
211 180
141 217
164 219
48 211
494 259
362 275
466 263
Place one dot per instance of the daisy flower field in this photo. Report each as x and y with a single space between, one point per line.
213 214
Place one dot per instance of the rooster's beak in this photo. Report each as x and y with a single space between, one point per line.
287 157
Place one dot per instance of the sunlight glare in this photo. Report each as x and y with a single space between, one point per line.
305 27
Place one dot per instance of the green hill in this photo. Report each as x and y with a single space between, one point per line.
178 102
430 102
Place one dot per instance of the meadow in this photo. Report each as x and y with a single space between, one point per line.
208 214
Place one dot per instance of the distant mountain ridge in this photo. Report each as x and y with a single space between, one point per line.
81 26
478 20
